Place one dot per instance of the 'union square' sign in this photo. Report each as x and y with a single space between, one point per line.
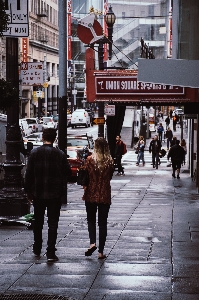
124 85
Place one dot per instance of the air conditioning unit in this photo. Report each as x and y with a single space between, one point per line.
42 13
43 38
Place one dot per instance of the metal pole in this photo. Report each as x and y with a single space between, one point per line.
13 201
45 89
62 126
101 104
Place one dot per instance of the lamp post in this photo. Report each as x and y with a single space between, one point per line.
110 20
13 200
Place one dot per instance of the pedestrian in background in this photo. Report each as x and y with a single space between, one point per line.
155 147
45 183
97 194
118 155
169 136
176 153
141 146
174 122
184 146
167 121
173 141
160 130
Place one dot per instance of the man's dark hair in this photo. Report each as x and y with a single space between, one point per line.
49 135
177 142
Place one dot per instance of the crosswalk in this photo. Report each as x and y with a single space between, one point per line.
130 158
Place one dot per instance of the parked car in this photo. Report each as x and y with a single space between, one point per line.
33 123
69 116
49 123
80 117
179 111
91 114
36 144
25 128
76 158
34 137
80 142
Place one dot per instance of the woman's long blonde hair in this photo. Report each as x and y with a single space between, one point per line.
101 153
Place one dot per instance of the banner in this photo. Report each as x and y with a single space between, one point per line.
69 30
105 30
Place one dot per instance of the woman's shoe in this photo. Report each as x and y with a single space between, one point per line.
90 251
103 256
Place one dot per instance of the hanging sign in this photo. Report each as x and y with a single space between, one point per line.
32 73
18 23
109 110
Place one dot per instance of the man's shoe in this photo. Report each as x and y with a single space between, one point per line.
118 174
178 176
137 164
122 174
173 175
52 257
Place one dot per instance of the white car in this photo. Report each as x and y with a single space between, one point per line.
80 117
34 137
49 123
33 123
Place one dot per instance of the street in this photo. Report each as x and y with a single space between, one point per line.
152 243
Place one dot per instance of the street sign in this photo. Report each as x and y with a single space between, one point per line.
45 84
18 23
99 121
109 110
38 94
32 73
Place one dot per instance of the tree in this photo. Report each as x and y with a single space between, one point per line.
3 17
8 94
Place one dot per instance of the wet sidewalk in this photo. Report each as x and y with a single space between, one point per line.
152 245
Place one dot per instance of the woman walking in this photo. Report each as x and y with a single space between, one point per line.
97 194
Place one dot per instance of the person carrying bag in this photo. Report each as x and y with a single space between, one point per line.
97 195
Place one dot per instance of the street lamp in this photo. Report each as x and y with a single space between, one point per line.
110 20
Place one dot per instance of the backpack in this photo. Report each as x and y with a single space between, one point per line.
124 149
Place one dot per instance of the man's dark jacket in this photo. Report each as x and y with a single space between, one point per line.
169 134
119 148
176 153
46 172
155 146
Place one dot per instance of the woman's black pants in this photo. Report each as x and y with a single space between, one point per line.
103 209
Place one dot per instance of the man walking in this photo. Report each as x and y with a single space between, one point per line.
45 183
155 147
160 131
176 153
169 136
118 155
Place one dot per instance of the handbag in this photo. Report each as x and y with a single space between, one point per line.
82 177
